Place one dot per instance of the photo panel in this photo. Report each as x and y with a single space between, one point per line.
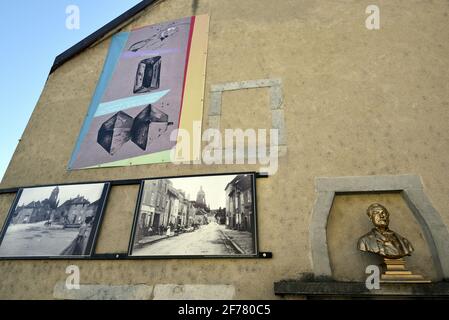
59 221
196 216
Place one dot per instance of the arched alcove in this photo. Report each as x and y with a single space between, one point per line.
410 189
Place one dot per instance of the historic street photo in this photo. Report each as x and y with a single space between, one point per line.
54 221
196 216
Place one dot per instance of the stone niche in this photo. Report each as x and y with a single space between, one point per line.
339 219
348 222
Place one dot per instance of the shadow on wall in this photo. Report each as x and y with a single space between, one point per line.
348 221
194 7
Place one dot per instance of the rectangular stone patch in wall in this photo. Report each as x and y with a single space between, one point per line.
103 292
194 292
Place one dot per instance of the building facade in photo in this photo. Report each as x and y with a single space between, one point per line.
358 116
239 205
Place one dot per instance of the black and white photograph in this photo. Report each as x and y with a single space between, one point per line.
196 216
54 221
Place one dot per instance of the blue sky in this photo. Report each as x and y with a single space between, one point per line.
33 33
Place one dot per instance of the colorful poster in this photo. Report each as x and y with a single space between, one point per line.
152 83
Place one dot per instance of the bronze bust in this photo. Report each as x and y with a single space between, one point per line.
381 240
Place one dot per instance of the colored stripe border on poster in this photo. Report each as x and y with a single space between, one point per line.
157 157
186 67
193 94
130 102
118 42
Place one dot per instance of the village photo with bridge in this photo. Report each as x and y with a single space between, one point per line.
54 221
196 216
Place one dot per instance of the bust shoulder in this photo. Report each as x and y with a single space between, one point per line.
368 242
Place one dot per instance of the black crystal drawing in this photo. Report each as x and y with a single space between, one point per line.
121 128
156 41
141 125
115 132
148 75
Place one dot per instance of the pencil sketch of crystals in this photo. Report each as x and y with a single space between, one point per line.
141 126
115 132
148 75
121 127
156 41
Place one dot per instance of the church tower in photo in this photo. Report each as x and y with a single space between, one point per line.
201 197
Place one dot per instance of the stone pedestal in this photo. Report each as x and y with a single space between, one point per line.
396 272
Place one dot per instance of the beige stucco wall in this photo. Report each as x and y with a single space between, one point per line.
356 102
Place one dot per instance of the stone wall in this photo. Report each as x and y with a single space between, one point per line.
356 102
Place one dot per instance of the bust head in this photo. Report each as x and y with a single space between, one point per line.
379 215
382 240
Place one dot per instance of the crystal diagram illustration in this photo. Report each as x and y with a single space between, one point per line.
156 41
148 75
121 128
141 125
115 132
